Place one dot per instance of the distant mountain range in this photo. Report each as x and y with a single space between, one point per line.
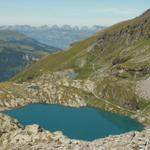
18 50
21 45
56 36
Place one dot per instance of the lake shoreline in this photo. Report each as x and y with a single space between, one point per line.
103 123
56 140
3 109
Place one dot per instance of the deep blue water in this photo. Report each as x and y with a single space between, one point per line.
77 123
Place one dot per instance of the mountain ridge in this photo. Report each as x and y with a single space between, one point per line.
58 36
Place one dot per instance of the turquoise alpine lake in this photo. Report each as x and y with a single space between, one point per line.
83 123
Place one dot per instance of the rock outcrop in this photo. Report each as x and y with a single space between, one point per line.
56 88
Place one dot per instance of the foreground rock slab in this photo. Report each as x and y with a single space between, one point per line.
14 136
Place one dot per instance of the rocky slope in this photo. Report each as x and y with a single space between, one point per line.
15 136
17 51
56 88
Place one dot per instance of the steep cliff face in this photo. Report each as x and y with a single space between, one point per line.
12 61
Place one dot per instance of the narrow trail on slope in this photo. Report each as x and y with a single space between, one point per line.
141 113
108 102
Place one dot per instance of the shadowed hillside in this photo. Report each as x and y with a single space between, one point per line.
17 51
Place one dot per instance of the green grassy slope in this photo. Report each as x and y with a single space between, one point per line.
55 61
113 40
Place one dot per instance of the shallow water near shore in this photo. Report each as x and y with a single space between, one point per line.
77 123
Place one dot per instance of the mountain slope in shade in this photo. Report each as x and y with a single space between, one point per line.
17 51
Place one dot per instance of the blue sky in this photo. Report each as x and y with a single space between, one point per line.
73 12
